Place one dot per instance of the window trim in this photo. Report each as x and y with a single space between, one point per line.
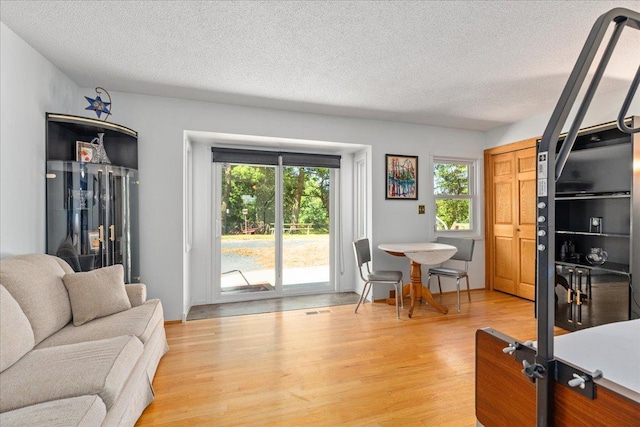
361 198
474 225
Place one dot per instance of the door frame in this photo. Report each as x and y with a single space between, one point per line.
280 291
489 201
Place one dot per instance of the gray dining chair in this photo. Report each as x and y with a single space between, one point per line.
386 277
465 253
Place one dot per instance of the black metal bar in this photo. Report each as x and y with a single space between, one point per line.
567 145
627 103
548 172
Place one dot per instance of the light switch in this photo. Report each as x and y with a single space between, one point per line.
420 209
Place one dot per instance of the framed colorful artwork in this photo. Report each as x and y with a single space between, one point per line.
401 177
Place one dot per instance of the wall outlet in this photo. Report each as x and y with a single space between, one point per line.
420 209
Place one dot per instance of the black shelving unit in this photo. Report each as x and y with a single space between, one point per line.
92 208
597 182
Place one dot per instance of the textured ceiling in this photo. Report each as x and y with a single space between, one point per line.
470 65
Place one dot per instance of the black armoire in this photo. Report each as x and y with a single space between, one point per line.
92 208
597 234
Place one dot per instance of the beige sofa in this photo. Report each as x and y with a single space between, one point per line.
76 349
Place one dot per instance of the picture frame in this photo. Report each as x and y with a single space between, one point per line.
84 152
94 240
401 177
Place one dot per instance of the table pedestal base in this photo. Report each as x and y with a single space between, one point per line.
418 291
422 253
421 293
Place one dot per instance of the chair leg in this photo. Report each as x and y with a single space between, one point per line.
439 285
429 282
397 296
366 294
468 290
365 291
458 290
401 297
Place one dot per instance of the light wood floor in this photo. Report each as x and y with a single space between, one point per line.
335 368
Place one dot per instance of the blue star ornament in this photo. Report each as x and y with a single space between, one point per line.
98 105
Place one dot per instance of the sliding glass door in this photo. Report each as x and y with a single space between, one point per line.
247 238
305 230
273 216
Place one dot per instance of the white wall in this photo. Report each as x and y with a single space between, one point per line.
161 122
30 86
345 269
604 108
202 251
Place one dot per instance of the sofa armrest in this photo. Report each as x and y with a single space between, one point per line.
137 293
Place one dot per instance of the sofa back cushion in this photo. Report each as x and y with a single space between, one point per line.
96 293
35 281
16 335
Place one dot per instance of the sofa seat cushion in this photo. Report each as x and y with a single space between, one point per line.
139 321
35 281
16 335
95 367
83 411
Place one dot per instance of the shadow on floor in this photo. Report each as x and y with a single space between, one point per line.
301 302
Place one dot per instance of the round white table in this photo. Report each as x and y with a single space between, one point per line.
428 253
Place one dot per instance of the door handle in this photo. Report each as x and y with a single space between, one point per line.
112 233
101 234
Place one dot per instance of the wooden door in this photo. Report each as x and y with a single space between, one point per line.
526 223
510 186
503 212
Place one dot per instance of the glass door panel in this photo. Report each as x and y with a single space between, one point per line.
248 238
121 223
305 231
73 213
92 222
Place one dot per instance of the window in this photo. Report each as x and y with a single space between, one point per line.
454 194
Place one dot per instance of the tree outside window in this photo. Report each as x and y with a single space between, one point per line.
251 189
454 193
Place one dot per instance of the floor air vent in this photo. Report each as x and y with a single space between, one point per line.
318 312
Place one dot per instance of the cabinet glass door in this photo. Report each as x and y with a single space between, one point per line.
89 215
74 214
586 297
121 186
